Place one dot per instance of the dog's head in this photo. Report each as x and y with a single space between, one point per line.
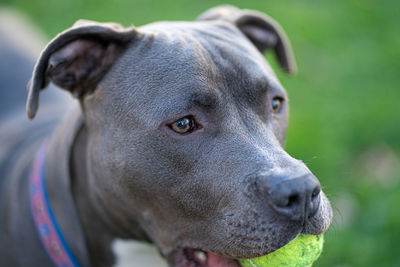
186 125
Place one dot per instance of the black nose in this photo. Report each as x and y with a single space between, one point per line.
296 198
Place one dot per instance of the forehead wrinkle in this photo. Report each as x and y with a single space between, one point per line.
207 77
238 68
219 63
203 100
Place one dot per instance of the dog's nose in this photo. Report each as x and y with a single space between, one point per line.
296 198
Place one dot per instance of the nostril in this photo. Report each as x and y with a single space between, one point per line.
296 198
293 200
314 203
315 193
288 201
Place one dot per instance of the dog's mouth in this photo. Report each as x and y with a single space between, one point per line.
198 258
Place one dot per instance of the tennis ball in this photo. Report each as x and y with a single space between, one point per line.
300 252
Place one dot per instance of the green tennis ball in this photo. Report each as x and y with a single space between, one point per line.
300 252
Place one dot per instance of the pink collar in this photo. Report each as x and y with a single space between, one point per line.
45 223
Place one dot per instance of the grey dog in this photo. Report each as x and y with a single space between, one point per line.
177 140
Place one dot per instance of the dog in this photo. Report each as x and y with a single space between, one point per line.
176 139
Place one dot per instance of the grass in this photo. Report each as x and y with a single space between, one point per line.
345 111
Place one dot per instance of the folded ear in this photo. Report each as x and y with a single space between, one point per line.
77 59
264 32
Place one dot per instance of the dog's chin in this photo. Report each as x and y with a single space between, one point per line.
190 257
318 224
197 258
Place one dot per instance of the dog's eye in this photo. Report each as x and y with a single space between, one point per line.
277 103
184 125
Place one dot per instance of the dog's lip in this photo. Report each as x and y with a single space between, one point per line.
189 257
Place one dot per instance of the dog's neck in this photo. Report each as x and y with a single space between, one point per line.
98 237
99 228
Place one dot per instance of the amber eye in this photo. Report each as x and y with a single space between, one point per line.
277 103
184 125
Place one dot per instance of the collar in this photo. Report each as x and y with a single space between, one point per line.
45 223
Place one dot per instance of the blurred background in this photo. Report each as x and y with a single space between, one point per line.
345 103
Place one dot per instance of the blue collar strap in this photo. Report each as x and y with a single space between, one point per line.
45 223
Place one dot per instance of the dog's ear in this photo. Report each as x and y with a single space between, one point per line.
264 32
77 59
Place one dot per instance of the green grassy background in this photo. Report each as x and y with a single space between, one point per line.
345 103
